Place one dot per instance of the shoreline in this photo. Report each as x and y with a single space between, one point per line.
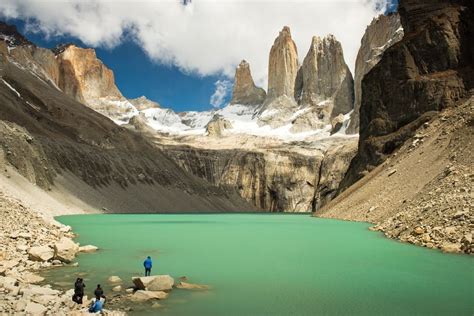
29 244
25 230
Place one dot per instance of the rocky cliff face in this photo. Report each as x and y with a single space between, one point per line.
75 71
427 71
383 32
326 81
282 66
245 91
274 180
88 80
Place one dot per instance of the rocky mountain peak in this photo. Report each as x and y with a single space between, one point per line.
245 91
143 103
282 65
10 35
383 32
88 80
326 79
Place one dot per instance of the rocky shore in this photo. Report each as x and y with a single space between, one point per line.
28 244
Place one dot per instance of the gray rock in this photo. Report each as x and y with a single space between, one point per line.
41 253
142 295
65 249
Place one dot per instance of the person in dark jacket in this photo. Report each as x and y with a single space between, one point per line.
147 264
99 292
78 291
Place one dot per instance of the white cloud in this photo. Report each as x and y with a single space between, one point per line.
206 36
223 88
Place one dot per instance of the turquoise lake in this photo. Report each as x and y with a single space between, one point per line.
265 264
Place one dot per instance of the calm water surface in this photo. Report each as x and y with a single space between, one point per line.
272 265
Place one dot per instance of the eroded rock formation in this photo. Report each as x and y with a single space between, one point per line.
245 91
326 81
282 66
383 32
89 81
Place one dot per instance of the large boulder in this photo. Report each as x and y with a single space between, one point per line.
41 253
142 295
31 278
36 290
35 309
161 283
154 282
142 282
65 249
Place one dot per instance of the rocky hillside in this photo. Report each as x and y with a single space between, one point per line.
414 159
430 69
28 245
62 145
383 32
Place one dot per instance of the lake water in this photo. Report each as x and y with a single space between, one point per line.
272 265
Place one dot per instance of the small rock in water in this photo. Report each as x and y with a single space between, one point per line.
88 248
191 286
114 279
451 247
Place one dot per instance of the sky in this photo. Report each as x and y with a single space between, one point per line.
184 56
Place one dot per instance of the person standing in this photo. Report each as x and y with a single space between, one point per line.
78 291
148 265
99 293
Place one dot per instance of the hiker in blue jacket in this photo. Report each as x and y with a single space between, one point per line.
147 264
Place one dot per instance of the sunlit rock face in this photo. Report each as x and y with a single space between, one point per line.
282 66
84 77
245 91
383 32
326 81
